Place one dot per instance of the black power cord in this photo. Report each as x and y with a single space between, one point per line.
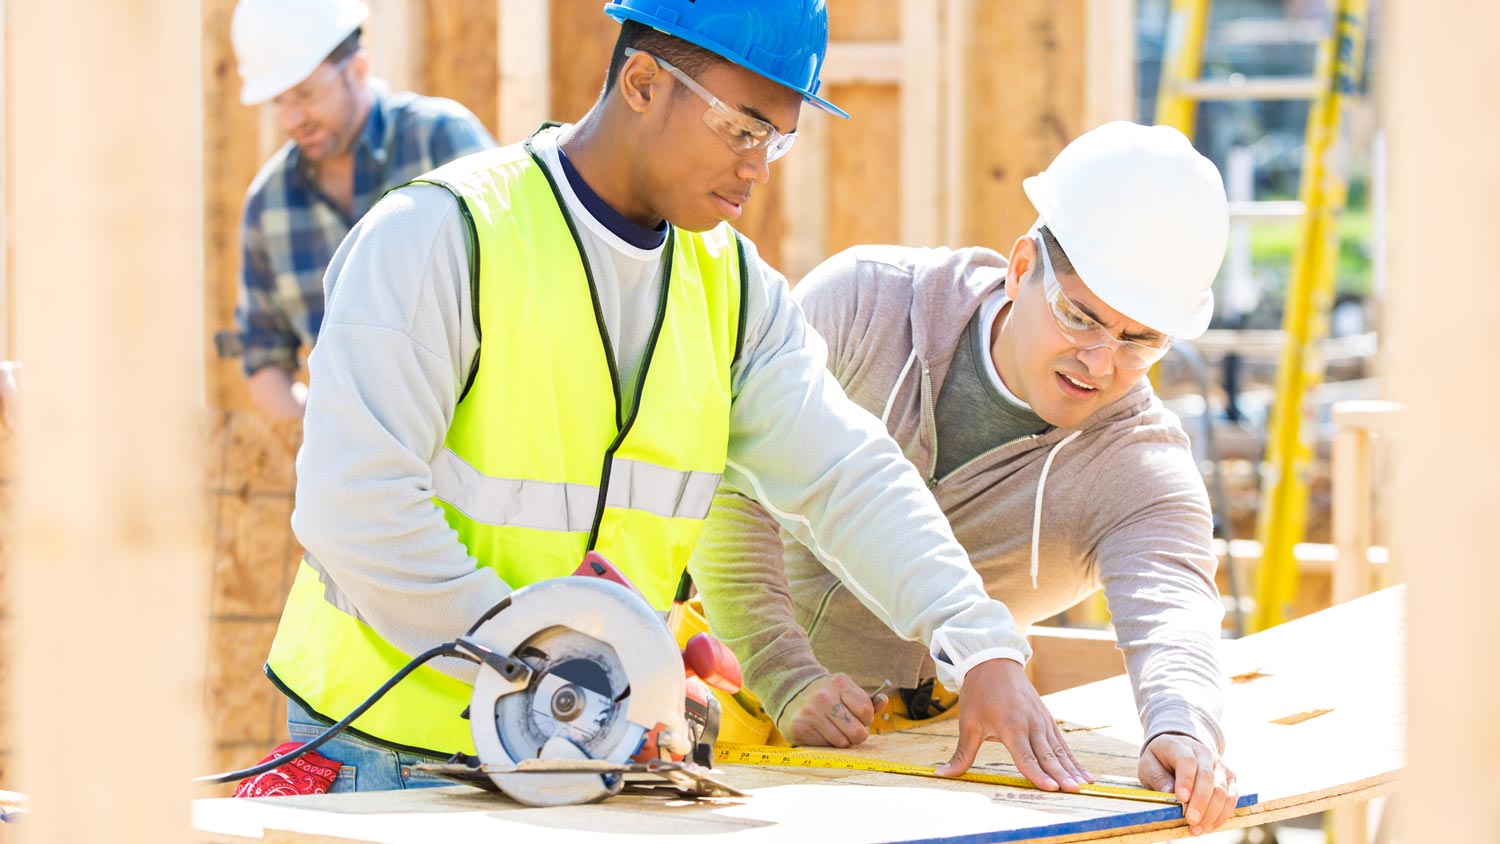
448 649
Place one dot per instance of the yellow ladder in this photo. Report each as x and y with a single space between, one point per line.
1282 519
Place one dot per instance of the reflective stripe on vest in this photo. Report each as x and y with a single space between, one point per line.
543 505
540 431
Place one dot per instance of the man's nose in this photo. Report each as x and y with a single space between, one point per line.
1100 361
755 168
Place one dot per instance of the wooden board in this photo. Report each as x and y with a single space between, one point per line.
1342 662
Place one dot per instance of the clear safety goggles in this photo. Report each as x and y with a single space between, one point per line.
1085 332
744 134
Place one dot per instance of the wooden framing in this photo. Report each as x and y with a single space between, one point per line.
524 67
1444 177
108 572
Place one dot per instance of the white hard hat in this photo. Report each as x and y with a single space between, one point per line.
1143 219
279 43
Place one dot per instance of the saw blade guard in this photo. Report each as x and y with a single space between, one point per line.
605 672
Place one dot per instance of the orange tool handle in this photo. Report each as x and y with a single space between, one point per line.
711 661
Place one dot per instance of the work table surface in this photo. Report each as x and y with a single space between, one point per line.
1314 719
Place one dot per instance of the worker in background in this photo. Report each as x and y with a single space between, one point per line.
562 345
1018 387
351 140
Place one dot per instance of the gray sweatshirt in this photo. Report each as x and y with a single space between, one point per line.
1123 505
396 347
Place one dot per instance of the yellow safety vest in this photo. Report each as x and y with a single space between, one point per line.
542 462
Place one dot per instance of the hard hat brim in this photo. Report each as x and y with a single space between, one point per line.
1129 296
263 89
621 14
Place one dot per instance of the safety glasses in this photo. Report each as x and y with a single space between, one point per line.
744 134
1085 332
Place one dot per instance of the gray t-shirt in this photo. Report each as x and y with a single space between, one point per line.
973 412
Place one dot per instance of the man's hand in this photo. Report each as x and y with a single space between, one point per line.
1195 773
998 703
832 711
277 393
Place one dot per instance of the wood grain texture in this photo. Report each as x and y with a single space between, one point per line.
1444 178
1025 97
1344 660
583 38
459 55
864 180
109 563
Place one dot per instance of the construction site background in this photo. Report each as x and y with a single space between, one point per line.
955 102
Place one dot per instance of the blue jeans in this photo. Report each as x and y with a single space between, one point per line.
366 766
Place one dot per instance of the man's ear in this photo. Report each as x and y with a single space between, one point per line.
360 64
1023 259
638 78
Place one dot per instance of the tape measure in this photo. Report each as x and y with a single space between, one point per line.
792 757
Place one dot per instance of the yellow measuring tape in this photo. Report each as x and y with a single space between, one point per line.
792 757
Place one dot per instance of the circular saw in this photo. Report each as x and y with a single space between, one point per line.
581 685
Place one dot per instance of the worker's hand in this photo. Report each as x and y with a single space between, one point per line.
1195 773
998 703
832 711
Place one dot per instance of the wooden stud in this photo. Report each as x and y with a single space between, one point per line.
582 40
235 141
1444 178
458 55
876 62
109 565
921 135
956 178
393 35
1109 83
524 66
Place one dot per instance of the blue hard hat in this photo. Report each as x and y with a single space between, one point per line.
782 40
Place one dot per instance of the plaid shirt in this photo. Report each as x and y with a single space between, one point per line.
290 230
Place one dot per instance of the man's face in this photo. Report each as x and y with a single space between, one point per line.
693 178
322 113
1063 384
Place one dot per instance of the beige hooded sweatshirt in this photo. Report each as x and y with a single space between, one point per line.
1046 519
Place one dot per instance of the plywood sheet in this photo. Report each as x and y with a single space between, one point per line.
260 455
864 20
253 548
242 706
1343 660
1024 92
864 192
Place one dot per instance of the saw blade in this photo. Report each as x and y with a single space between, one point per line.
576 692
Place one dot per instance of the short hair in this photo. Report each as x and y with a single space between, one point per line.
1060 263
346 48
688 58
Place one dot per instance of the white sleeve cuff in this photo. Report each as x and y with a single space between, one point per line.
952 676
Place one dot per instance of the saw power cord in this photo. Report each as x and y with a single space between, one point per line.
448 649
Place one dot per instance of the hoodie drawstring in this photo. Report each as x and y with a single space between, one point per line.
891 401
1036 516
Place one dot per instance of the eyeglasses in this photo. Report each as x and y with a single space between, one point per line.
744 134
1085 332
311 90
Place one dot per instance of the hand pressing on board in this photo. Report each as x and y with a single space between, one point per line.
998 703
1190 769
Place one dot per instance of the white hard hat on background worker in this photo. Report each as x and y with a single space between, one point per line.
1109 197
279 43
